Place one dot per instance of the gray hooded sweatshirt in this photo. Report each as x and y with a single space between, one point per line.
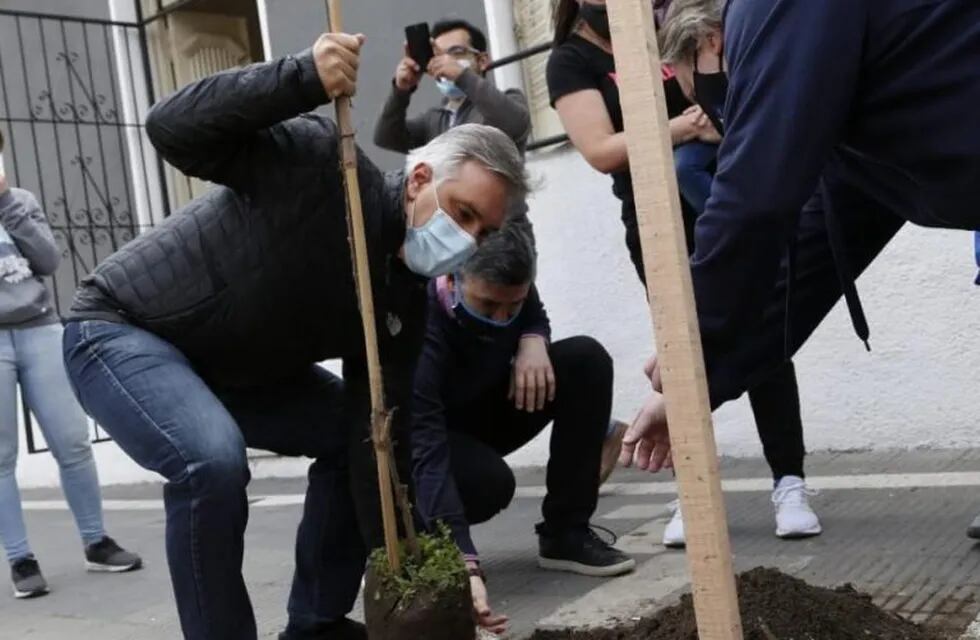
28 251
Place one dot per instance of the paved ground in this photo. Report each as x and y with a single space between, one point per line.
894 525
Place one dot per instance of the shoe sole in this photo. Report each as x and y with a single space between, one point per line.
973 532
675 545
571 566
95 567
798 535
27 595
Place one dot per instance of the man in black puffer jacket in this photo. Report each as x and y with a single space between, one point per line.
202 336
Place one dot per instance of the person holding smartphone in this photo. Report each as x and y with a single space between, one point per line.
458 67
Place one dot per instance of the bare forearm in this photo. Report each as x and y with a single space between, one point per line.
681 131
609 155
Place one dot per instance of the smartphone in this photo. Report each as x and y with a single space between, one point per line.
419 43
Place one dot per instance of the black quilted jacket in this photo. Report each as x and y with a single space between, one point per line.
253 280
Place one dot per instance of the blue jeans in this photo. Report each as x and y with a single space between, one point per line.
147 396
32 358
694 163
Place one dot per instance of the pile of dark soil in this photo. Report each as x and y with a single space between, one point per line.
774 606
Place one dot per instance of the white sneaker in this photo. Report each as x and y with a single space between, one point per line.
674 533
794 517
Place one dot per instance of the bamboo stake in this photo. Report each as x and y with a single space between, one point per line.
675 320
362 274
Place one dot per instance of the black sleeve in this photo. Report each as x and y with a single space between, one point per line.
437 497
535 320
226 128
567 73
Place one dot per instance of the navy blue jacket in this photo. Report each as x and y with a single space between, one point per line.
456 368
881 96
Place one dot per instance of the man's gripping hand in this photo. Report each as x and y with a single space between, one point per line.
337 56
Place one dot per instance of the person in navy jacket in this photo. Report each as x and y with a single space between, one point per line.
844 119
488 380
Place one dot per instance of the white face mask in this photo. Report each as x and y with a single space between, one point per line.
3 171
439 246
448 88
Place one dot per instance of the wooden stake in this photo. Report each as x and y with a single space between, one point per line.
675 319
362 274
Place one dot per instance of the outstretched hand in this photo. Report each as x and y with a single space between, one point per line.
647 441
485 617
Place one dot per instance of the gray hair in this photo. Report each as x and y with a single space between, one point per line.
487 145
687 25
507 257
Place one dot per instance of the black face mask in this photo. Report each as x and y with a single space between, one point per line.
596 16
710 92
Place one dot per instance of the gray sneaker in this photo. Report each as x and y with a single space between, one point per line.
105 556
28 581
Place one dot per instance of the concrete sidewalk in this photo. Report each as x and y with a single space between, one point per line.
894 526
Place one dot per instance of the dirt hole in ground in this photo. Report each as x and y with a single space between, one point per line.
774 606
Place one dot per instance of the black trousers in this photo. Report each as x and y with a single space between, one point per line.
491 428
775 401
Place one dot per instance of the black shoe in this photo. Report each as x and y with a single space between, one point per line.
344 629
973 530
28 581
105 556
581 551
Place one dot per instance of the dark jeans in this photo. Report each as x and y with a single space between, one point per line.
775 400
694 163
146 395
492 428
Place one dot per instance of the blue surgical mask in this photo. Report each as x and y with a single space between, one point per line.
470 317
448 88
439 246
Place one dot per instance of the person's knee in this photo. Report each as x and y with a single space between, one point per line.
224 474
72 449
499 488
584 359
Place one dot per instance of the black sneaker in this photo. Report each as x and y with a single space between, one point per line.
344 629
580 551
28 581
105 556
973 530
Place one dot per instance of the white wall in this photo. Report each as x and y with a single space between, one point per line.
918 388
115 467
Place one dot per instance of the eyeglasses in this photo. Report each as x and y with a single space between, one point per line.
460 51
